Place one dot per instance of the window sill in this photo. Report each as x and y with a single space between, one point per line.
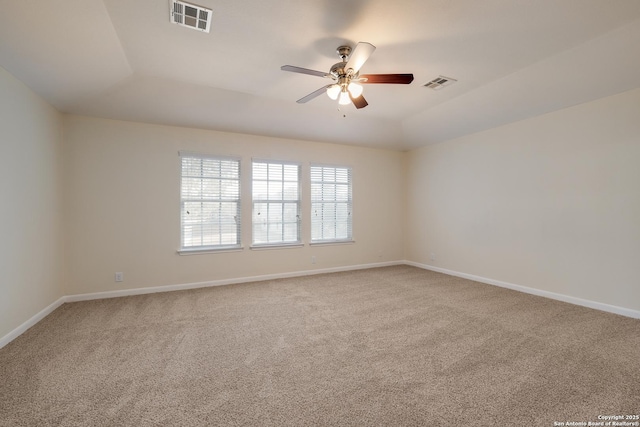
276 246
332 243
208 251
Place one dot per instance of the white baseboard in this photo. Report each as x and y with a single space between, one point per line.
32 321
547 294
222 282
140 291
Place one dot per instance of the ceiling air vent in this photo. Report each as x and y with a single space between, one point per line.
440 82
190 15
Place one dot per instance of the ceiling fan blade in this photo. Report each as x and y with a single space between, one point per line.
359 56
301 70
359 102
401 79
313 95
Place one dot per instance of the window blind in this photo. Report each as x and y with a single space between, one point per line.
210 202
276 203
331 204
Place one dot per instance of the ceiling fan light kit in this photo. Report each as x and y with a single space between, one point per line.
355 89
347 87
344 99
334 91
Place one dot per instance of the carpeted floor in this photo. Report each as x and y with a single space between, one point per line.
395 346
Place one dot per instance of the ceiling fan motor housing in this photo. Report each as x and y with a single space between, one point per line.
344 52
338 70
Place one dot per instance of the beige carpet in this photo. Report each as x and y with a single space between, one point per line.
395 346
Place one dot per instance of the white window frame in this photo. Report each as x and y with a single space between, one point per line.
211 199
260 219
325 192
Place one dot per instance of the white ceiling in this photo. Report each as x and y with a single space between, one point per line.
513 59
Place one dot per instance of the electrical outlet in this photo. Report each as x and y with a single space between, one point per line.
313 259
119 276
432 256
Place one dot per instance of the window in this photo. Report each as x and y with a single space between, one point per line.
276 203
209 202
330 204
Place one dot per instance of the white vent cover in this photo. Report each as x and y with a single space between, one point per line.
440 82
191 16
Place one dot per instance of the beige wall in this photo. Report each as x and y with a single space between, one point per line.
122 180
31 248
551 203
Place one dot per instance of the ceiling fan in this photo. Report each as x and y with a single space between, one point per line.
346 75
